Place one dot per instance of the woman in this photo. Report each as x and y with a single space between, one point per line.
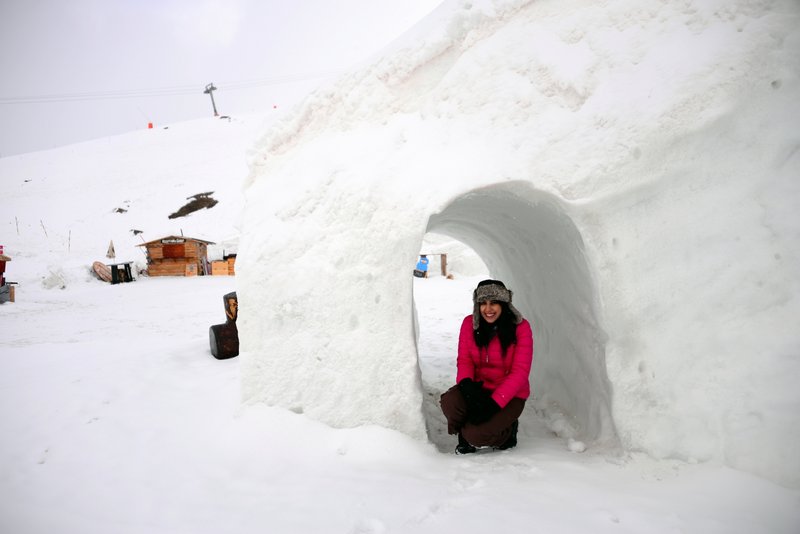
495 352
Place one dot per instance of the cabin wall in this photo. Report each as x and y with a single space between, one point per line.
176 259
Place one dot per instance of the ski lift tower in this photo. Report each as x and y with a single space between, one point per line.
210 92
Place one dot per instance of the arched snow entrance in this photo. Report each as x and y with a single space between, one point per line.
440 304
527 240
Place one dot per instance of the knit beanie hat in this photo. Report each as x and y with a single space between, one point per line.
492 290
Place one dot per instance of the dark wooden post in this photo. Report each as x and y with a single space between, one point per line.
224 338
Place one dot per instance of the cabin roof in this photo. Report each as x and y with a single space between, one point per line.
185 238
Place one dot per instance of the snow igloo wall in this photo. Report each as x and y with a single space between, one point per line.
629 167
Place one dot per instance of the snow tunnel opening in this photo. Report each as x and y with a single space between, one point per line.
526 239
441 300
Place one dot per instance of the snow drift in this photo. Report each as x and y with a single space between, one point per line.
628 168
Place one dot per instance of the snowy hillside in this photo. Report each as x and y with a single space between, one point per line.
71 202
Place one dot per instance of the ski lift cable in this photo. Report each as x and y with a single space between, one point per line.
179 90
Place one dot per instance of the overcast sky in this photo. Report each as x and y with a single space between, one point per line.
74 70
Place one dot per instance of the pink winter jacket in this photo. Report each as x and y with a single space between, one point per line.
506 377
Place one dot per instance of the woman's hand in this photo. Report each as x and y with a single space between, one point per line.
480 405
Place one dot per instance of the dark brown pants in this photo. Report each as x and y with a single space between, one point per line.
492 433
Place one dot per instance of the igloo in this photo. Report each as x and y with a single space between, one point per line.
628 168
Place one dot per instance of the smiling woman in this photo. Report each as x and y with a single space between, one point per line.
495 351
490 311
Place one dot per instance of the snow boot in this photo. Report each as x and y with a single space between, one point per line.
463 446
511 442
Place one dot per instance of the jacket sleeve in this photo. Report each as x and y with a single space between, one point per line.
466 341
520 371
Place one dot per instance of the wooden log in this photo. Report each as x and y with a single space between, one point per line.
224 340
231 303
102 271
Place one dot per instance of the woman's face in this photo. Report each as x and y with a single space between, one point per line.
490 311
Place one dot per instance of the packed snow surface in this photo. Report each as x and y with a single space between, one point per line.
116 418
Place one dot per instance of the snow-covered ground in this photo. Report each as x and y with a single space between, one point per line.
116 418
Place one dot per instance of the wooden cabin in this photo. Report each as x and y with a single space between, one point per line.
177 256
3 260
6 289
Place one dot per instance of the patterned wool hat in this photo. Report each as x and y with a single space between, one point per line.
492 290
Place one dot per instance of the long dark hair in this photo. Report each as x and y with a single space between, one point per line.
505 327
